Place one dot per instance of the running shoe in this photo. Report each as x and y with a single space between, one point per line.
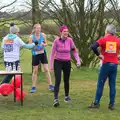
93 105
33 89
111 106
56 103
51 88
67 99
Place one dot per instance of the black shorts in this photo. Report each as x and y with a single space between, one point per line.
40 58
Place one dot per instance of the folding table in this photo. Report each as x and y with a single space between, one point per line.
15 73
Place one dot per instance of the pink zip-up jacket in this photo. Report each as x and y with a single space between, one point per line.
61 51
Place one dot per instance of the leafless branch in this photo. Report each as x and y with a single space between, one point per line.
8 5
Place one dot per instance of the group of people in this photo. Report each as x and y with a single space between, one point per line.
60 58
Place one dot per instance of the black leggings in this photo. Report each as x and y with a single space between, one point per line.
58 67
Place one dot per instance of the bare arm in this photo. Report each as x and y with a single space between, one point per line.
45 40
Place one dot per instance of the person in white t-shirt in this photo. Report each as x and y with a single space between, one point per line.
11 45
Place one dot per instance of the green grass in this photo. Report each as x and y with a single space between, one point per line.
38 106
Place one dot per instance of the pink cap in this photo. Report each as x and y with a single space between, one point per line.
63 28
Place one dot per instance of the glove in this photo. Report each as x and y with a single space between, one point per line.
36 42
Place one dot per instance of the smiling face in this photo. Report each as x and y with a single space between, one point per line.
65 33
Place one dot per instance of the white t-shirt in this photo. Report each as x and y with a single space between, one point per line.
11 45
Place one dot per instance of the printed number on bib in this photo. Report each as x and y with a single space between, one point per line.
8 45
111 47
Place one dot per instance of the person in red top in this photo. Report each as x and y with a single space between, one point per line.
110 47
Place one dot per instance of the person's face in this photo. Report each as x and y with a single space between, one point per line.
65 33
38 29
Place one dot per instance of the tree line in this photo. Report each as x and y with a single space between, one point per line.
86 20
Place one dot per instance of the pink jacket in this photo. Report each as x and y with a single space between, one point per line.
61 51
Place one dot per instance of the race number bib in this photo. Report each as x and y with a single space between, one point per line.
111 47
8 45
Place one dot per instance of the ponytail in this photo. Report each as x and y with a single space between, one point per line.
33 31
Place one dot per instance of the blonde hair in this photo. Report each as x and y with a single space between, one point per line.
33 30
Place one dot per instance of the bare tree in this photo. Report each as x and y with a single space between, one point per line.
86 21
114 8
37 7
83 20
3 20
5 6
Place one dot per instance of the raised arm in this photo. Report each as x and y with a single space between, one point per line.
27 46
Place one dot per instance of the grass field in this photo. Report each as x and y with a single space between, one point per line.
39 106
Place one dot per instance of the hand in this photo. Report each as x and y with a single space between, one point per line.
118 57
51 68
78 64
43 44
36 43
101 57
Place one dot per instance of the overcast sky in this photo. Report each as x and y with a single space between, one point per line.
20 4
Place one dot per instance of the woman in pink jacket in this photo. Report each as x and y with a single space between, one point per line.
60 61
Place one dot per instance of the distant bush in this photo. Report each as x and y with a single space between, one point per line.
24 29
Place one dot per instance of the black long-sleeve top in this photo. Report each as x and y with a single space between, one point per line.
94 47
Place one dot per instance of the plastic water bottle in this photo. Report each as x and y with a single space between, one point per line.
6 66
18 69
14 67
10 67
